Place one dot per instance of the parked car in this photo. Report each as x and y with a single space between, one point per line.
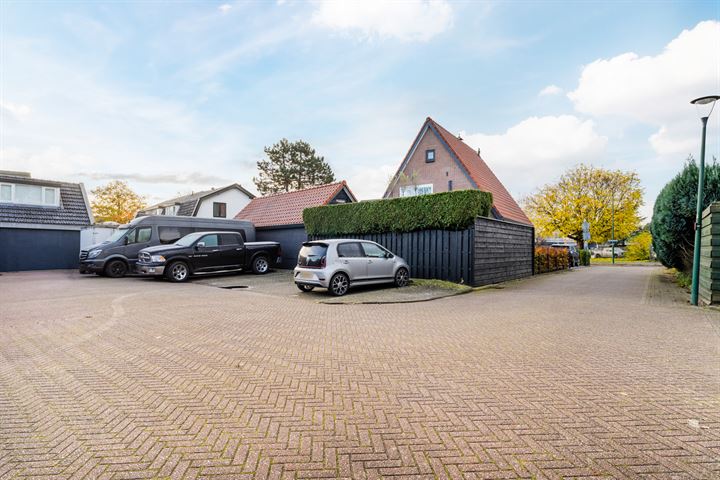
117 256
606 252
206 252
340 264
573 253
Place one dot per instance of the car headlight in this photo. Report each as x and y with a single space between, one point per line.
157 258
94 253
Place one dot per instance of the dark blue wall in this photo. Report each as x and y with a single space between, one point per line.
31 249
289 238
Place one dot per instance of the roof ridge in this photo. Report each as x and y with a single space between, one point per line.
314 187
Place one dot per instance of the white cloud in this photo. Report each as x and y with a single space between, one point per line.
550 90
538 149
225 7
409 20
15 109
656 90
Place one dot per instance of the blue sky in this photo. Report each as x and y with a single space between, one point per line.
180 96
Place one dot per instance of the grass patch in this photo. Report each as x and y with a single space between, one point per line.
682 279
606 261
440 284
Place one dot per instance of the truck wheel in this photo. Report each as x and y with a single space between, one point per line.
177 272
260 265
115 269
339 284
305 288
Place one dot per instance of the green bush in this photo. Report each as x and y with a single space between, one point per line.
549 259
445 211
674 214
585 257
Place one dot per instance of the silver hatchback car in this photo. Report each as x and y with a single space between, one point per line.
339 264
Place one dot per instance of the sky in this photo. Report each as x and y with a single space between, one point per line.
175 97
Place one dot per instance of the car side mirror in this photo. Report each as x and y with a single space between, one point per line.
199 244
389 255
126 240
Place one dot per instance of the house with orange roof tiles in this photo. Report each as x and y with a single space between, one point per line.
439 161
279 217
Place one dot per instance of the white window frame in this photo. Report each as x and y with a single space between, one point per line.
43 188
414 190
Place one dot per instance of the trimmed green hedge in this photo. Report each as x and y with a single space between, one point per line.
443 211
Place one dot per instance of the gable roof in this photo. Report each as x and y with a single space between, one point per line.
189 204
504 205
72 211
287 208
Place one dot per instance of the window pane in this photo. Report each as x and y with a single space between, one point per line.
50 196
372 250
424 189
219 209
210 240
173 234
229 239
5 193
144 235
350 249
312 254
28 194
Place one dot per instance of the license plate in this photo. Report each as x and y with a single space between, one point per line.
307 275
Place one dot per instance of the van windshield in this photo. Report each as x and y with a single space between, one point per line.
117 235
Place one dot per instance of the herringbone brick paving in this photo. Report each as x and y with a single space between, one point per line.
575 375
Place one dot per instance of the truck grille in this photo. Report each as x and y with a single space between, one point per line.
83 254
144 257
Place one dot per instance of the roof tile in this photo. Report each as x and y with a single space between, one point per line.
287 208
72 209
481 174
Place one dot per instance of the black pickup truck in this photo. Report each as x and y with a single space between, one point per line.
205 252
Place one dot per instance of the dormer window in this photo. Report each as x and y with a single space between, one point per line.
29 194
429 156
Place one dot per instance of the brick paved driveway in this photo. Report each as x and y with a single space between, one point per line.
579 374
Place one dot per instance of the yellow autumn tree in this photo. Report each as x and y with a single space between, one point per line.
115 202
587 193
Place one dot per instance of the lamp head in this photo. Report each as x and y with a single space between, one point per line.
705 104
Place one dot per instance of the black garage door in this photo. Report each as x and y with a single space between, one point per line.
30 249
290 240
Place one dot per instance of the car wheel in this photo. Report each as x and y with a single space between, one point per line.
402 277
177 272
260 265
339 284
115 269
305 288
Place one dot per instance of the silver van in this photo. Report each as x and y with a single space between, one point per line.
339 264
117 256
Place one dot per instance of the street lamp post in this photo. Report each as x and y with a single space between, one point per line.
612 202
706 103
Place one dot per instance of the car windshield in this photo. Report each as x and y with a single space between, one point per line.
188 240
117 235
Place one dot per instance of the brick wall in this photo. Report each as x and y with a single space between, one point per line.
710 255
503 251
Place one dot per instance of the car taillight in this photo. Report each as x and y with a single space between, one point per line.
322 262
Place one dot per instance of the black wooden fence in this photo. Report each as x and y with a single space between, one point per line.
490 251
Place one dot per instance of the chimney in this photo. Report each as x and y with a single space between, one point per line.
459 137
478 152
